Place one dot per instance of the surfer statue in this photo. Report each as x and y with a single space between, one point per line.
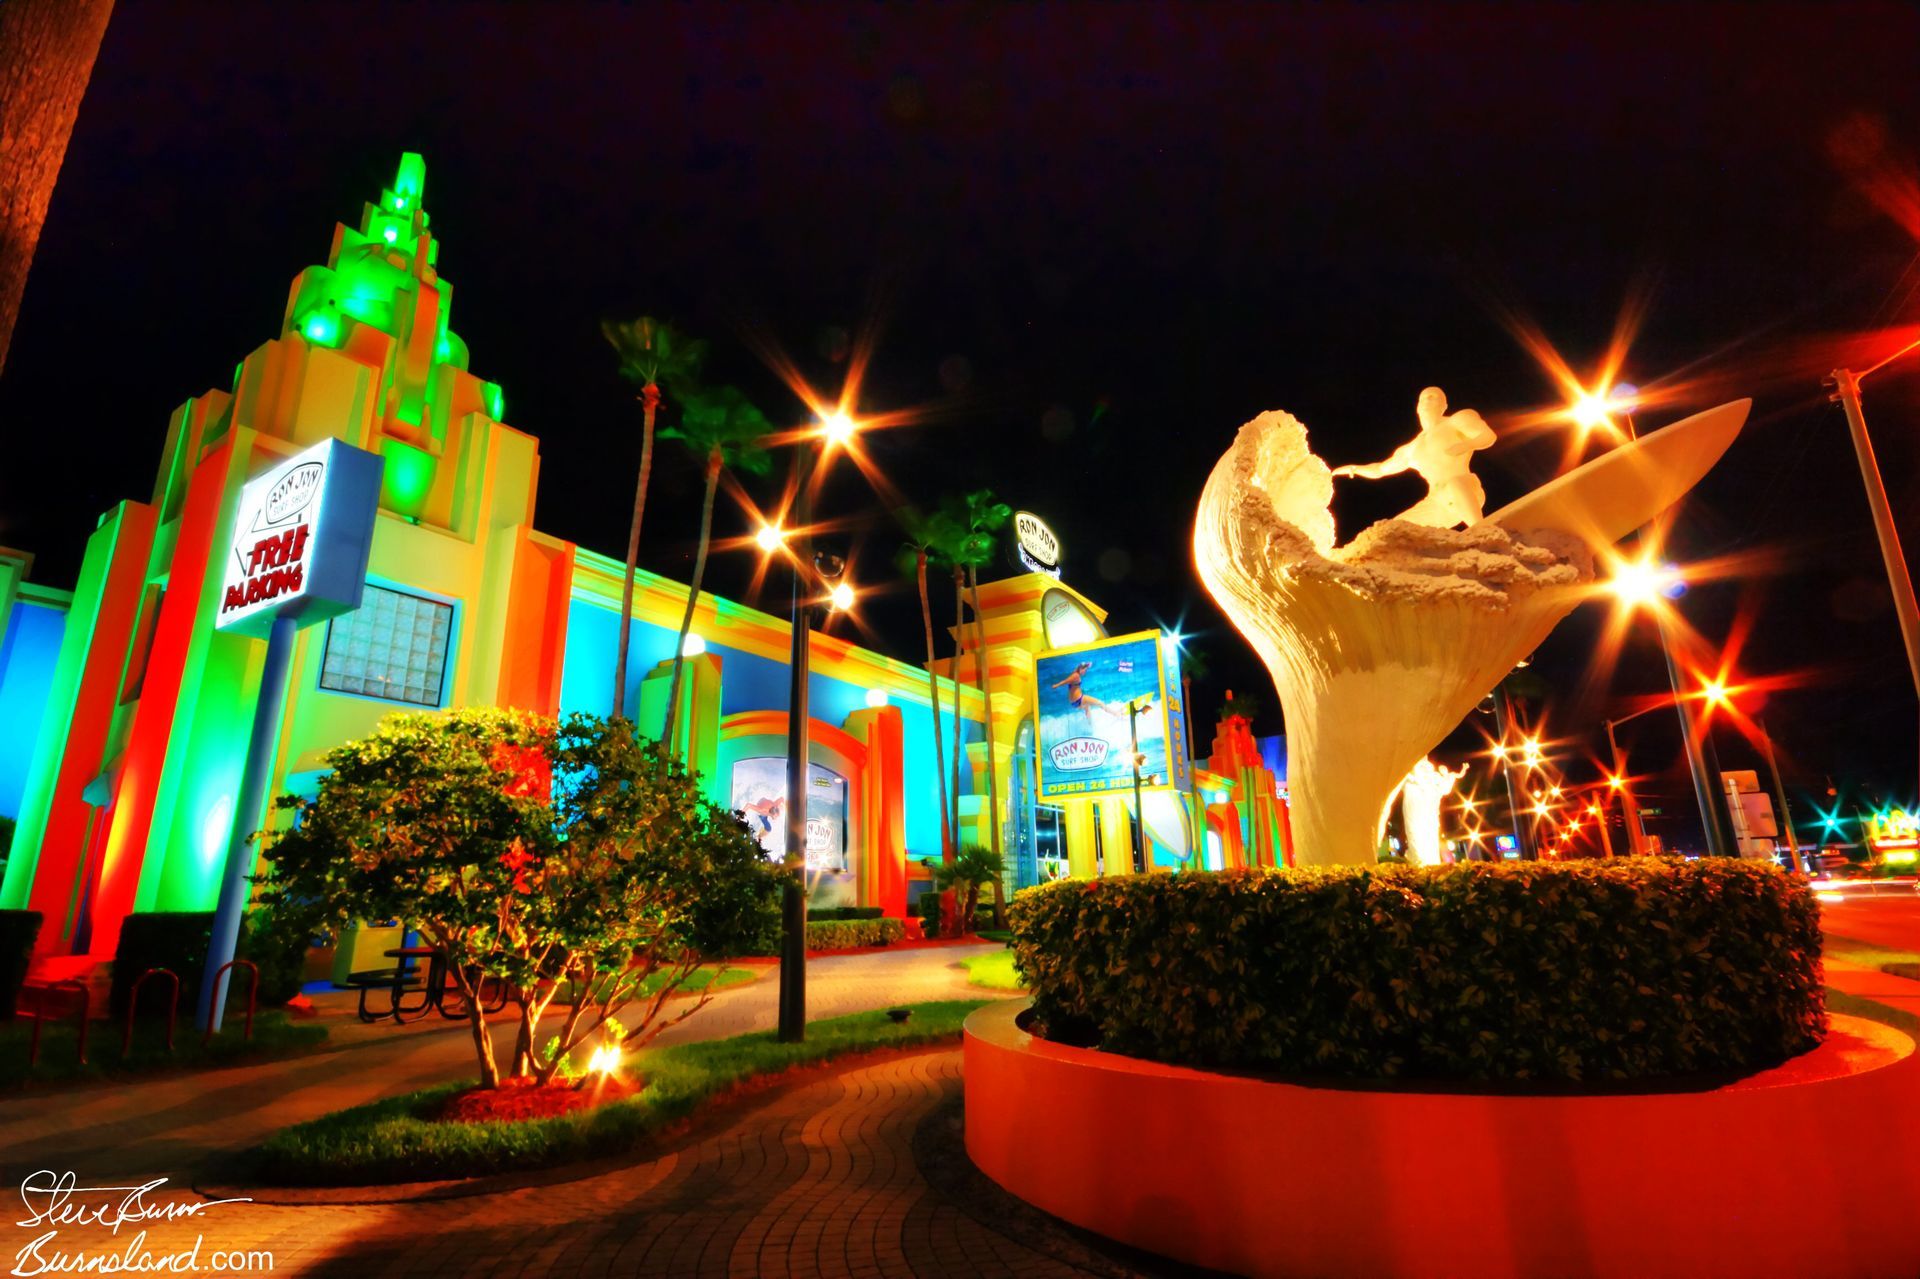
1442 455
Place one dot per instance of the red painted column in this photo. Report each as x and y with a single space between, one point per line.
55 891
181 619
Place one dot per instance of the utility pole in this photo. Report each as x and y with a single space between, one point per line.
1846 390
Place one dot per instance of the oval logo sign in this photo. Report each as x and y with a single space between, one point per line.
294 492
1037 542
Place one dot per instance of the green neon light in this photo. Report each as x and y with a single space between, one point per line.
496 402
407 480
321 328
411 180
390 234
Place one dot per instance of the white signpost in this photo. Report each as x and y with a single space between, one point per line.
297 555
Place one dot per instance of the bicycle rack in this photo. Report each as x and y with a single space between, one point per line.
253 996
86 998
133 1006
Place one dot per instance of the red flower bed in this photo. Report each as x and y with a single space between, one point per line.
518 1099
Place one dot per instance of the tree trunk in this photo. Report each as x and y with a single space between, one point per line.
714 460
650 401
477 1024
959 622
986 693
949 900
999 904
933 695
47 49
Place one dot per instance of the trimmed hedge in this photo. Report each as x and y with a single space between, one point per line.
18 931
845 934
1521 971
831 913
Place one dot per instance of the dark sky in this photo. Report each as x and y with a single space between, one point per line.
1091 242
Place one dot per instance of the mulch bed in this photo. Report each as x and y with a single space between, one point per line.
519 1098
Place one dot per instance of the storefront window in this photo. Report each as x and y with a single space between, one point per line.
394 647
760 796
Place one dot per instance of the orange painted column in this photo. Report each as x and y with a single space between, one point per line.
883 838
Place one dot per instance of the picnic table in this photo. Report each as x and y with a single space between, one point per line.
433 987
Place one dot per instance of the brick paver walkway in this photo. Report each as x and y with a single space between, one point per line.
819 1180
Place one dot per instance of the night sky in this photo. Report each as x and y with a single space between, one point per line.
1088 243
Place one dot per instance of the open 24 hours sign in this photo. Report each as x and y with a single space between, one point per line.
302 532
1091 701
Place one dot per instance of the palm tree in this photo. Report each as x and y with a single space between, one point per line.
50 49
975 867
725 430
651 352
926 536
980 516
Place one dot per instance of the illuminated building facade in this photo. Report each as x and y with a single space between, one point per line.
128 713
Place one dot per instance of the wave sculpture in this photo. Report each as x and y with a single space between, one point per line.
1379 648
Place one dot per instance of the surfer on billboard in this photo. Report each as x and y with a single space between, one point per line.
1086 703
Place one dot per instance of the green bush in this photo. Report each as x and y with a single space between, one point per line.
928 908
276 937
18 930
1523 971
844 934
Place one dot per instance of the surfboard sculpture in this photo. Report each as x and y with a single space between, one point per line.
1379 648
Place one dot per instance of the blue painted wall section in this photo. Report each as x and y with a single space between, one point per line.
750 682
29 651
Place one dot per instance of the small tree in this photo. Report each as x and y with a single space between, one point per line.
563 860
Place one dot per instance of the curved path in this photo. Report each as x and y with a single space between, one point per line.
820 1179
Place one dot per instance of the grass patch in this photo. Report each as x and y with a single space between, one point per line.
704 978
393 1141
273 1036
1865 953
1839 1001
995 971
1002 935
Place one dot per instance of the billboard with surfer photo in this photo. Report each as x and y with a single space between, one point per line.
1082 731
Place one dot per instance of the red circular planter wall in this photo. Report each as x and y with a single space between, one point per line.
1809 1169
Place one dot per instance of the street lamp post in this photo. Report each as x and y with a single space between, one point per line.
1629 807
832 431
1134 709
1780 797
1846 389
793 903
1503 726
1703 763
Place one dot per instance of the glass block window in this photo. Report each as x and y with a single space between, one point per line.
394 646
